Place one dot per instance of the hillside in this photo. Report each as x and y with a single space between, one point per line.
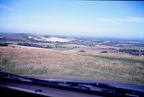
29 61
13 37
25 37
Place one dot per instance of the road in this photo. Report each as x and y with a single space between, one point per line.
47 91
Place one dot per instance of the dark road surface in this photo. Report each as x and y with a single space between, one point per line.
47 91
14 85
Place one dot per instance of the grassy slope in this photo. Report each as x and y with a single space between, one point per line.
17 36
28 61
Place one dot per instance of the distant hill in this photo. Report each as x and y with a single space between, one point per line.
24 37
13 37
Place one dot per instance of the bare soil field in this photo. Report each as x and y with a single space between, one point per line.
48 62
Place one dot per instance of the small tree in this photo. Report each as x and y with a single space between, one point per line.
3 44
103 51
82 50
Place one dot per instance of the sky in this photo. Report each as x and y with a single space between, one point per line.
73 17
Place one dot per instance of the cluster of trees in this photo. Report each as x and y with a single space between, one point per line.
104 51
3 44
83 42
132 51
41 46
34 45
8 39
82 51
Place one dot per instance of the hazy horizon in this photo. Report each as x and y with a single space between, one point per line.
80 36
122 19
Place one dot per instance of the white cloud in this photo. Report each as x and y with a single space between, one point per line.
41 17
104 20
130 19
6 7
126 19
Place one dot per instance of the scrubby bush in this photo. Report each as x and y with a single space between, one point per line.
104 52
82 50
3 44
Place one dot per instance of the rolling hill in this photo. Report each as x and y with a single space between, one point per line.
24 37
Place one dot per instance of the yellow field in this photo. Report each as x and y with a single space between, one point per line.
30 61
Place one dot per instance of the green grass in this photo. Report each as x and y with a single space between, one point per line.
129 60
63 48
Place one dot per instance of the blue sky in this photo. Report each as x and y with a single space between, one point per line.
73 17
